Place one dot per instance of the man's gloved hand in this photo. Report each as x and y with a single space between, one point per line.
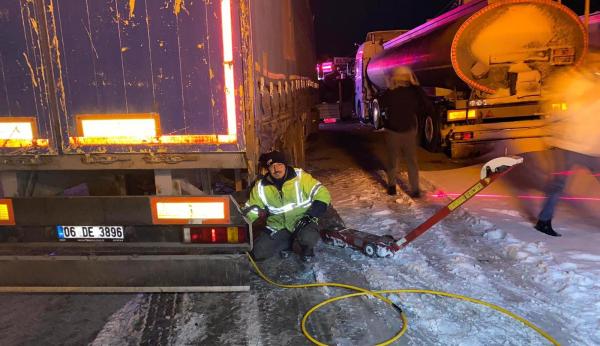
263 213
304 221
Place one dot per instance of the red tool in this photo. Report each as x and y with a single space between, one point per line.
383 246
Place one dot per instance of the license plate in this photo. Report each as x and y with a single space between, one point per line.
115 233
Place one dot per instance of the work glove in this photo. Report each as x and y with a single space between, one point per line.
317 208
262 213
304 221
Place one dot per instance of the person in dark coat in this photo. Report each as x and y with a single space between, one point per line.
403 102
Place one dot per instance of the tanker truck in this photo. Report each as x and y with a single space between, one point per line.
484 64
127 130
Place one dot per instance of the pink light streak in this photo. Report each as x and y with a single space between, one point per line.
573 173
442 194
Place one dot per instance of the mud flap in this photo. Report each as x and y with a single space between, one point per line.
125 274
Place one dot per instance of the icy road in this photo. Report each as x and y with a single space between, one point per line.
477 251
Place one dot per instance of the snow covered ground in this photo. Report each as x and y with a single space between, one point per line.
486 250
469 255
514 201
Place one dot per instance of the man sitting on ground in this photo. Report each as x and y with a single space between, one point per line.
294 201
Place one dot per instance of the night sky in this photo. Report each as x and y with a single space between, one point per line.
339 24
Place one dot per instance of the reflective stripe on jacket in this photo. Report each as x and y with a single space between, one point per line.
288 205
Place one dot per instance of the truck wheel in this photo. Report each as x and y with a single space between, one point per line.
376 115
370 250
431 132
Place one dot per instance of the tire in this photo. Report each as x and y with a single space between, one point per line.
431 135
376 117
370 250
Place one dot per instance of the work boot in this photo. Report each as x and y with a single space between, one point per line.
546 227
308 255
391 190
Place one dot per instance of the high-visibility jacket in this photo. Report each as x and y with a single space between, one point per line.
285 207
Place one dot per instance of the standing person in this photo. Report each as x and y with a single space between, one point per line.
294 201
574 135
403 102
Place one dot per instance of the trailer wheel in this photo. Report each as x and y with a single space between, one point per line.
376 115
370 250
431 131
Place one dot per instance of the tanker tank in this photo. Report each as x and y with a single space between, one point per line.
501 48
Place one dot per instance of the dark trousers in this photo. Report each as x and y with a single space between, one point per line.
266 245
405 144
564 160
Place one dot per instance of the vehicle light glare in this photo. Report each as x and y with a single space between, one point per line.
456 114
16 130
559 107
138 128
228 67
4 216
6 212
190 210
327 67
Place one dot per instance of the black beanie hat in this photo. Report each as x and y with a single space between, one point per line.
272 157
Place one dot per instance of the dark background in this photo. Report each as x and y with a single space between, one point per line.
340 24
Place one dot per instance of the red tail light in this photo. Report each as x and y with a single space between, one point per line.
327 67
216 235
462 136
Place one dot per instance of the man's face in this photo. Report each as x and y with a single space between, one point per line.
277 170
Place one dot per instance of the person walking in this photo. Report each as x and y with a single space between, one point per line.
404 101
294 201
574 135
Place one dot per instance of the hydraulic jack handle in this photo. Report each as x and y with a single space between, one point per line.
491 171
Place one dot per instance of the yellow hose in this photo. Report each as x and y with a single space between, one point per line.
378 294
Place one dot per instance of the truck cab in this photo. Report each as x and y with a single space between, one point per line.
365 103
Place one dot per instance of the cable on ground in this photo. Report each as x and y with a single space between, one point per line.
379 295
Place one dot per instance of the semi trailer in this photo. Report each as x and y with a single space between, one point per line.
126 129
484 64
